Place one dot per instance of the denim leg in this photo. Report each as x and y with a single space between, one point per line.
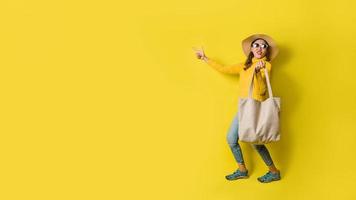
263 151
232 140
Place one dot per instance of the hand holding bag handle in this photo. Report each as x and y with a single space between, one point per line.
267 81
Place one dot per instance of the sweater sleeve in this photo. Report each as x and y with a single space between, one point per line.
229 69
261 78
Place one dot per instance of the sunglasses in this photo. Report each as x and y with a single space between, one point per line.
256 45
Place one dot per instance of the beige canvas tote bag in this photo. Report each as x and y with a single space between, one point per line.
259 121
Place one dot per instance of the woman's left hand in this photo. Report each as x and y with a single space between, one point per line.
260 64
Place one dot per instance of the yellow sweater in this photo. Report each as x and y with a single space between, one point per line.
260 91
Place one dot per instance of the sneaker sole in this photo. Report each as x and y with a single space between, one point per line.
240 177
269 181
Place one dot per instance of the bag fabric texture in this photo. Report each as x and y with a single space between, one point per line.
259 120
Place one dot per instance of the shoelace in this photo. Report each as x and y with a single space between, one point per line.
238 172
268 175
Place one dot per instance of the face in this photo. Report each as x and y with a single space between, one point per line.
259 48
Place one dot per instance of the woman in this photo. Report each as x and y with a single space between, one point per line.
260 49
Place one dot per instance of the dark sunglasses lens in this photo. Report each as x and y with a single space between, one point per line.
264 46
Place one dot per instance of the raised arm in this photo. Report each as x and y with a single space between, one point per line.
229 69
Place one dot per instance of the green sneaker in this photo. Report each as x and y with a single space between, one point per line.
269 177
237 175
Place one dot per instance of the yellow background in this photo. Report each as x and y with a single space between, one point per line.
106 99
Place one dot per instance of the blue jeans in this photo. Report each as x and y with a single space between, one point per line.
232 140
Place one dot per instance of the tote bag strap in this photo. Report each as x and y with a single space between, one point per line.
267 80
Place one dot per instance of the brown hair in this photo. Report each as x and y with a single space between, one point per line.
248 61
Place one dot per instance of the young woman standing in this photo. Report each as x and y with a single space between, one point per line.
260 49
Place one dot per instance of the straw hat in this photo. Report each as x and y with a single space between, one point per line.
246 44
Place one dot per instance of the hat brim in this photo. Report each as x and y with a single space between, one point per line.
246 44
